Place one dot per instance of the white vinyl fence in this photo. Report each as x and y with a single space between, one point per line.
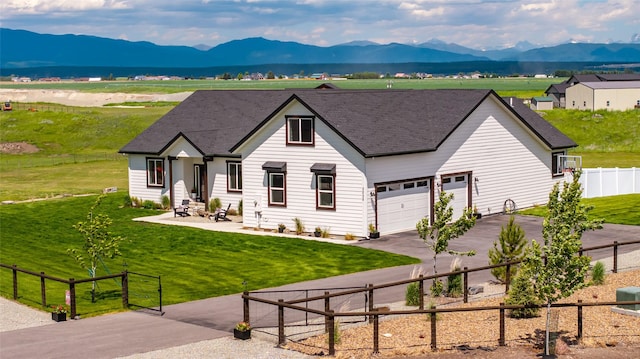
601 182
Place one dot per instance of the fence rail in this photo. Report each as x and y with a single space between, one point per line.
373 313
71 282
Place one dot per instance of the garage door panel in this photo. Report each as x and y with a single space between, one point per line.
401 209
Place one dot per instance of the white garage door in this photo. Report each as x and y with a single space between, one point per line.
402 205
458 186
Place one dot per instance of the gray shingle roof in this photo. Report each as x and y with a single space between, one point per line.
374 122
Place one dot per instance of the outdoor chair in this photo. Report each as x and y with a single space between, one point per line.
221 214
182 210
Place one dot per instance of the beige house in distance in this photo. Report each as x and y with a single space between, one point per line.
609 95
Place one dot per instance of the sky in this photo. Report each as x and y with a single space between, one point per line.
478 24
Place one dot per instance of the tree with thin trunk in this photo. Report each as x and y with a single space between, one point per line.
99 243
564 271
443 230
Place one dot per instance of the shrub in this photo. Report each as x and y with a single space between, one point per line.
149 204
240 208
598 273
522 292
166 202
232 212
128 201
298 225
437 288
412 295
324 233
454 281
349 237
509 247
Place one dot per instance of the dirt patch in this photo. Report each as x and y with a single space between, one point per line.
475 333
18 148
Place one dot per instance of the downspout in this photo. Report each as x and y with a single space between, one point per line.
171 185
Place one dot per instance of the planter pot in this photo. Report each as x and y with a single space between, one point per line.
317 234
477 215
242 335
59 317
374 235
280 230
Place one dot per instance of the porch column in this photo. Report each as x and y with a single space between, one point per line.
205 196
171 196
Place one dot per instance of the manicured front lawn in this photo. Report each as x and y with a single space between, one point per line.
622 209
192 263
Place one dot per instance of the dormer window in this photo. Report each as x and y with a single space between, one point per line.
299 130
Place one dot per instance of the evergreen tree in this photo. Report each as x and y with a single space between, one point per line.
509 247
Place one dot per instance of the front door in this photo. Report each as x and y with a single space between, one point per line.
198 181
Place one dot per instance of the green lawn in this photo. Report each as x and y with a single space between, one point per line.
622 209
193 263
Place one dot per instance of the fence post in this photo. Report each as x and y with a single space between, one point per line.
376 332
421 289
125 289
281 339
433 329
501 342
332 333
327 307
160 294
507 278
245 308
15 282
615 256
43 290
579 318
72 294
370 302
465 284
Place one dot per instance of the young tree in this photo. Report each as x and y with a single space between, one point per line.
565 222
509 247
99 243
443 230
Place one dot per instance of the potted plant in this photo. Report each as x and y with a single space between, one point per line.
373 232
193 193
476 214
59 313
242 331
317 232
281 227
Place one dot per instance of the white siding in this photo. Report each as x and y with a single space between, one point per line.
218 182
269 144
138 180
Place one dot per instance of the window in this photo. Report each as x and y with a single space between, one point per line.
277 189
557 163
325 191
234 176
155 172
300 130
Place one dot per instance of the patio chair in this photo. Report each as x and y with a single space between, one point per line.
182 210
221 214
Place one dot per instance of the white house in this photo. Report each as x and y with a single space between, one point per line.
344 159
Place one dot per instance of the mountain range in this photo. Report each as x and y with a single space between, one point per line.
26 49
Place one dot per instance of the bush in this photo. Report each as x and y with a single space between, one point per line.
214 204
299 225
598 273
522 293
166 202
349 237
437 288
128 201
412 295
454 281
324 233
240 208
149 204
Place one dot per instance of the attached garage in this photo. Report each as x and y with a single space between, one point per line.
402 204
458 185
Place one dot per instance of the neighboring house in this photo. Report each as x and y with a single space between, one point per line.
606 95
558 91
542 103
342 159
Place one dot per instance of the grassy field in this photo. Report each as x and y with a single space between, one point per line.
193 263
507 86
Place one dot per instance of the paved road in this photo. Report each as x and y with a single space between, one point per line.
128 333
